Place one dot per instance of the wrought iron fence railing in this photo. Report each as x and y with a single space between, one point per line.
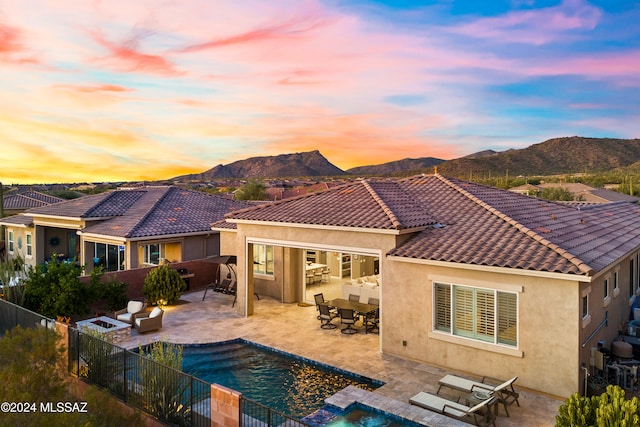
168 394
12 315
254 414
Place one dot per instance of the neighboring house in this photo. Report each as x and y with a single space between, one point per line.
472 278
582 192
14 203
121 229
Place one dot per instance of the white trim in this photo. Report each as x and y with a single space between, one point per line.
492 269
328 227
27 245
158 237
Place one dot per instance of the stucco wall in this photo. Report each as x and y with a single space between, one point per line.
546 357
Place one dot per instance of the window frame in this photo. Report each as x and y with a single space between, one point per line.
29 245
11 240
263 260
475 313
147 251
109 250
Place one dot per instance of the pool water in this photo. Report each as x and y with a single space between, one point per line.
290 384
356 415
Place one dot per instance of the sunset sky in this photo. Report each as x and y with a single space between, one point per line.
121 90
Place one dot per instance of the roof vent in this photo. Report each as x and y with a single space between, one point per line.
437 225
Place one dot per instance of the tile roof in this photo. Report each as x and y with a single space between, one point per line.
28 200
145 212
368 204
17 220
462 222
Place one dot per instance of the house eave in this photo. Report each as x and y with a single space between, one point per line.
144 238
493 269
328 227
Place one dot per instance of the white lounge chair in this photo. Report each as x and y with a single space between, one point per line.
505 392
480 414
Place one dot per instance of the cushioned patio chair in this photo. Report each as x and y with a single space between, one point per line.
504 391
149 321
128 314
347 317
326 317
480 414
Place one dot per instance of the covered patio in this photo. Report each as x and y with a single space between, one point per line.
294 328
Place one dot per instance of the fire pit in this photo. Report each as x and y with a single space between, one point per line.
118 331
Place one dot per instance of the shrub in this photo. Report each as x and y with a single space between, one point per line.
609 409
163 285
55 289
115 292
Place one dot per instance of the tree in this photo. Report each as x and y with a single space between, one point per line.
163 285
556 193
55 289
29 374
252 190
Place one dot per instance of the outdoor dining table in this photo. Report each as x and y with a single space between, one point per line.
359 307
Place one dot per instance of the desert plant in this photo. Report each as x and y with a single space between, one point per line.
163 285
100 365
167 388
610 409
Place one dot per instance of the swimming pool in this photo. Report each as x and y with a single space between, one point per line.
356 415
290 384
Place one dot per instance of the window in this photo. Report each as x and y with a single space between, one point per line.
111 257
606 288
476 313
153 253
263 259
29 245
585 306
11 241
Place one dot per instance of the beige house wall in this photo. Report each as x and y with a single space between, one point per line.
546 358
20 244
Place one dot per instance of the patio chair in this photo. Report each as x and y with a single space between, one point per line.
371 321
128 314
149 321
354 298
347 317
504 391
326 317
480 414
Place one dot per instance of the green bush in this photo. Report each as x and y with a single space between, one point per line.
55 289
163 285
610 409
115 292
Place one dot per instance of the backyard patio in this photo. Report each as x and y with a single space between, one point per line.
295 329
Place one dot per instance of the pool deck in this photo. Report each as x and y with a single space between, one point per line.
295 329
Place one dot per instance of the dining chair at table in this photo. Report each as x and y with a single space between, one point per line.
326 317
347 317
372 322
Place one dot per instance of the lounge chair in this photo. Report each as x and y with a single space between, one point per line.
128 314
480 414
505 392
149 321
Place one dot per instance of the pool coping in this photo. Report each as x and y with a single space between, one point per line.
350 395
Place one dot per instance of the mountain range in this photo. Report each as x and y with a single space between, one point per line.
555 156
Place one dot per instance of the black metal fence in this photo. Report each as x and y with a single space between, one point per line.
161 391
12 315
254 414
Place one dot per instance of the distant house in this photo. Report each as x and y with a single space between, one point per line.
121 229
14 203
582 192
470 277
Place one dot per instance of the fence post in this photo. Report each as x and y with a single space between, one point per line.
124 375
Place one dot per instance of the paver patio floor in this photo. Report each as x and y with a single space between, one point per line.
294 328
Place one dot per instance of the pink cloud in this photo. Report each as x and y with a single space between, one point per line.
536 27
128 56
